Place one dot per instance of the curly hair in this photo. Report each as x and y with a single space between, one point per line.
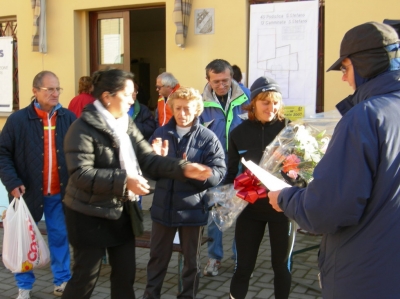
85 84
190 94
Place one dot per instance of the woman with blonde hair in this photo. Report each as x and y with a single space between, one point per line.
182 206
248 140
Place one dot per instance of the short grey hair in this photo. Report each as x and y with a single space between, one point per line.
38 80
168 79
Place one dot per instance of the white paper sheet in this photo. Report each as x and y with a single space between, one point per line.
271 182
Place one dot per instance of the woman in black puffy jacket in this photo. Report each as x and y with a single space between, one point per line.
105 153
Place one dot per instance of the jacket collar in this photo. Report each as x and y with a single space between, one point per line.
385 83
33 115
171 125
236 92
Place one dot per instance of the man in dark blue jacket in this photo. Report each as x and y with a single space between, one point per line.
32 165
354 198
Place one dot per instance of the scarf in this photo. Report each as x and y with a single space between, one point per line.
127 156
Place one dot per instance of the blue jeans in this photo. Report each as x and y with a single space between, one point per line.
215 247
58 244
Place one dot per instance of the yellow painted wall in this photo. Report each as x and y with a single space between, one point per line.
340 16
68 48
229 42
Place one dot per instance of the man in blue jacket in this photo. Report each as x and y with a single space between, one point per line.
32 165
223 99
354 198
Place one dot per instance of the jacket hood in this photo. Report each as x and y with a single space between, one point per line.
385 83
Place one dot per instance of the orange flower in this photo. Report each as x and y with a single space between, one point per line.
291 162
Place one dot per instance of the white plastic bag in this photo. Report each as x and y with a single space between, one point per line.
23 245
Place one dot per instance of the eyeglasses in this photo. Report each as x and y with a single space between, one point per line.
224 82
52 90
159 87
343 68
135 92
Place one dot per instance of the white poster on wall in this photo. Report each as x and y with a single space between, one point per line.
6 71
283 45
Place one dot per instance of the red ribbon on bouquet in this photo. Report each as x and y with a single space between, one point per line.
248 187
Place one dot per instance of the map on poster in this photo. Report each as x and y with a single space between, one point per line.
283 45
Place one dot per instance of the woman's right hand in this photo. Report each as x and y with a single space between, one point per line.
160 147
138 185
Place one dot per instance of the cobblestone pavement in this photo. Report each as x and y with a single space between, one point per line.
261 285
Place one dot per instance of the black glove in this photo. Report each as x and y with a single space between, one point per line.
298 182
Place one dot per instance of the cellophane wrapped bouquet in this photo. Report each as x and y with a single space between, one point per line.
298 148
292 157
229 200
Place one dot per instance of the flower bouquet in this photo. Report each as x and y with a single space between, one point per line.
230 200
291 158
298 148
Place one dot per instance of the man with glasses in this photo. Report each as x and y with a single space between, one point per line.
166 84
354 198
223 100
32 165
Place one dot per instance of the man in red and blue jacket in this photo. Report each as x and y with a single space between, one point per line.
32 165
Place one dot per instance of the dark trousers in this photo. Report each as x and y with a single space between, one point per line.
87 266
160 254
249 233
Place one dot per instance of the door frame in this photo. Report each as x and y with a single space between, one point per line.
94 18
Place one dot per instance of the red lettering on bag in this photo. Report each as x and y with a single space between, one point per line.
33 250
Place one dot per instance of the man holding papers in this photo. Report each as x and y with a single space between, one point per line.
354 198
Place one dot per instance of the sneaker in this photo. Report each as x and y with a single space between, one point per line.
59 290
24 294
212 267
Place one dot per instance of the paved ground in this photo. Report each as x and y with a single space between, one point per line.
261 285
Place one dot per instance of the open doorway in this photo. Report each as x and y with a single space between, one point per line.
148 53
137 37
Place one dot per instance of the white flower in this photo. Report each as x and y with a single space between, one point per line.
308 144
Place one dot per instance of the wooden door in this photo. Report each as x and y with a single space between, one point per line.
109 40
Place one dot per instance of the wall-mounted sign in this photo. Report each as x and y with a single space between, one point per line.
283 45
6 71
293 112
204 21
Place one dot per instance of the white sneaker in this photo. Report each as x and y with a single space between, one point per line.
59 290
212 267
24 294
